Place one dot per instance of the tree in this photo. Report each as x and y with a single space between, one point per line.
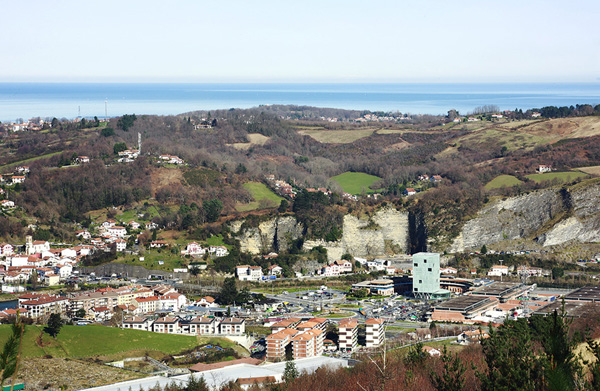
9 358
119 147
283 206
212 209
126 121
452 376
80 313
54 325
196 384
107 132
557 272
484 249
229 292
290 372
244 296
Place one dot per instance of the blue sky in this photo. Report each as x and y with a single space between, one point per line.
306 41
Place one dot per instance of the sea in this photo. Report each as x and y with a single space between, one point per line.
71 100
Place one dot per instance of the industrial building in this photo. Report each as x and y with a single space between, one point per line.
462 309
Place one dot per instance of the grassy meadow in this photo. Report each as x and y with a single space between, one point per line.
260 192
355 182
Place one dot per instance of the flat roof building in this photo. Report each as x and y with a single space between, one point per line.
426 277
348 335
463 308
502 291
587 293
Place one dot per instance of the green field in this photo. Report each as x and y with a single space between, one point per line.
567 176
501 181
260 192
356 182
152 258
95 340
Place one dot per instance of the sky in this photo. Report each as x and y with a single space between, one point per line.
302 41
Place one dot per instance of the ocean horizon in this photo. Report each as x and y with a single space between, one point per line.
70 100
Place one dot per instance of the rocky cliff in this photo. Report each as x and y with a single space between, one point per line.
550 217
275 234
386 232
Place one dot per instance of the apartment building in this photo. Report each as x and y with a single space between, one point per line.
348 335
308 343
137 323
44 305
375 332
201 325
278 342
288 323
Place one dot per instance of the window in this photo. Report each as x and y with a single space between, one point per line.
424 261
428 269
416 264
416 289
420 281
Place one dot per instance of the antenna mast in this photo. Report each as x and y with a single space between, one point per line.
139 143
106 109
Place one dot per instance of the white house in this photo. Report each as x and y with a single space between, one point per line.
5 204
410 191
171 301
544 168
193 248
274 270
207 301
151 226
6 249
108 224
18 179
498 270
249 273
120 245
448 270
83 234
218 251
117 231
134 225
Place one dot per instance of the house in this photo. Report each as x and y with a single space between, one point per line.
83 234
232 326
498 270
448 270
120 245
468 337
151 226
17 179
330 270
207 301
218 251
193 248
82 159
171 301
137 323
530 271
168 325
536 115
544 168
100 314
134 225
117 231
344 266
249 273
423 178
6 249
274 270
436 178
433 352
22 169
6 204
202 325
109 223
158 244
410 191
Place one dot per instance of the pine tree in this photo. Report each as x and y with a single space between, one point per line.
291 372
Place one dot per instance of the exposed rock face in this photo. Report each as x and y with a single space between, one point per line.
584 224
274 234
550 216
385 233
